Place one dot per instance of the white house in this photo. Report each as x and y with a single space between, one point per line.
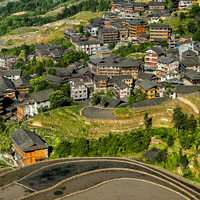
78 91
36 101
13 74
167 69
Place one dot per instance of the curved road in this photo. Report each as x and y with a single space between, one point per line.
54 171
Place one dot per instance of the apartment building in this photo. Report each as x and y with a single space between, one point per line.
149 87
88 46
108 35
153 5
140 7
115 66
160 31
137 26
167 69
151 57
78 90
7 61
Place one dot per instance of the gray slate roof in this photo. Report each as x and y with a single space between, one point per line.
147 84
6 84
27 140
192 75
166 60
101 78
138 21
160 26
186 89
23 81
189 53
148 76
154 3
158 50
191 61
41 95
12 72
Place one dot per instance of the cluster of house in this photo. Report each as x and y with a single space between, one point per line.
124 24
179 66
16 102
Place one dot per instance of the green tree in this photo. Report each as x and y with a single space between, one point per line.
102 101
52 71
182 16
147 121
191 123
136 96
87 34
81 29
109 93
196 36
164 43
95 99
179 118
58 99
111 46
63 149
38 84
180 29
192 27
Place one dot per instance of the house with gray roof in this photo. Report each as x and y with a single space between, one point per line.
193 77
167 68
53 51
88 46
22 84
185 89
151 88
108 35
28 147
7 88
159 32
12 74
154 5
190 63
36 101
121 89
115 66
7 61
151 59
79 91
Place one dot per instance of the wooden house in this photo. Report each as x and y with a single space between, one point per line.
137 27
149 87
28 147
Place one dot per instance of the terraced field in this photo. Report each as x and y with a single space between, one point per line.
66 178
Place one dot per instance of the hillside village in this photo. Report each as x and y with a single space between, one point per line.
101 72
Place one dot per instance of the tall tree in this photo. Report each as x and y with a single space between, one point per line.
147 121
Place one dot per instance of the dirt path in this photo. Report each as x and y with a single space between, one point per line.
189 103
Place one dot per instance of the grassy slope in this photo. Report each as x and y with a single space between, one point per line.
48 32
67 123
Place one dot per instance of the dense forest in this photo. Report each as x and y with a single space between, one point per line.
12 22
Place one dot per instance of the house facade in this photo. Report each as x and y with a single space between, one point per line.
160 31
28 147
137 27
149 87
151 59
167 69
78 91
